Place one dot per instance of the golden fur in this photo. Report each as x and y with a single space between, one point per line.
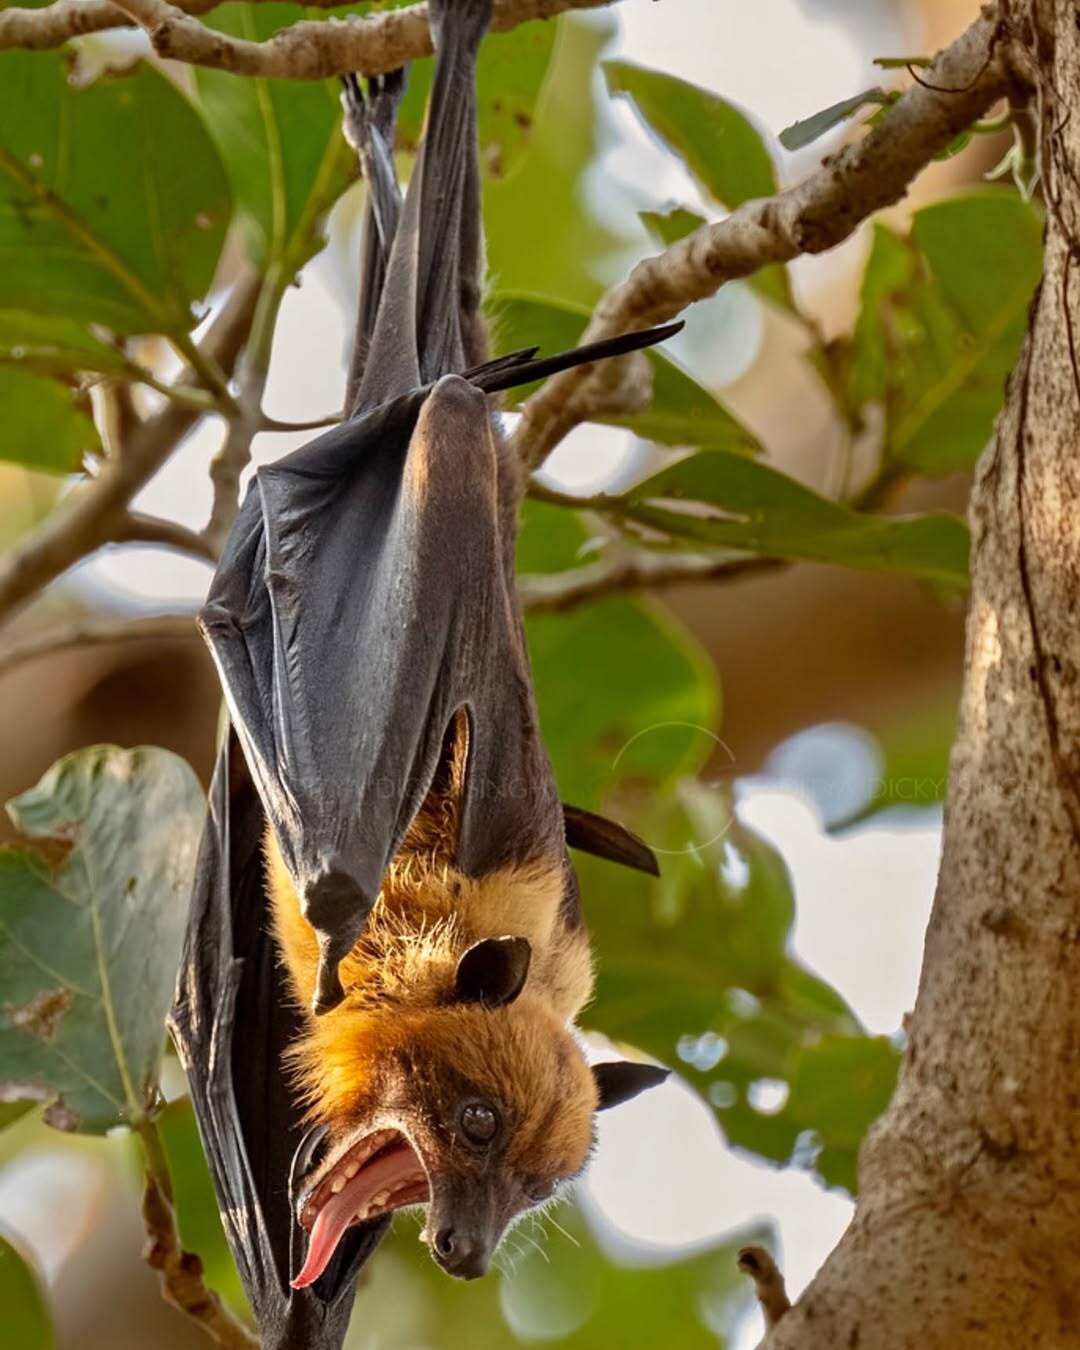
399 980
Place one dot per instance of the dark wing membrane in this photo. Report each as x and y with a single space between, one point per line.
434 268
231 998
369 124
366 595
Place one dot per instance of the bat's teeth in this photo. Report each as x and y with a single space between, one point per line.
351 1170
337 1185
381 1198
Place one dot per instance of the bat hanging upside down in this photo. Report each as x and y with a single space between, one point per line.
448 1075
398 1028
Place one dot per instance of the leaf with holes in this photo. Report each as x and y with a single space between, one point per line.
89 944
113 200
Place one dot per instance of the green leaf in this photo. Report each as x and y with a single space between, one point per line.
89 946
809 129
717 141
52 345
10 1112
681 411
644 709
551 539
27 1321
696 971
838 1088
942 318
755 509
44 427
281 140
540 201
113 200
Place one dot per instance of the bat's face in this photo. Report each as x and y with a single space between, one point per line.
479 1113
480 1109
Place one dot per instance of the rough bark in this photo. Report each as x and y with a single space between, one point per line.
965 1233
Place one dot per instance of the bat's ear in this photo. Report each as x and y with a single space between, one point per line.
493 971
606 839
620 1079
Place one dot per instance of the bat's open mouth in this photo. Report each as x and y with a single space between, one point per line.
375 1175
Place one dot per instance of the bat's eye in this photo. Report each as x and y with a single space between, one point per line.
539 1191
479 1122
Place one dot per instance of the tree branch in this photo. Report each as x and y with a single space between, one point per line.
768 1283
93 514
812 217
309 50
636 571
136 528
92 632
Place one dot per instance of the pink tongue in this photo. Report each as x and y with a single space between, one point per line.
340 1210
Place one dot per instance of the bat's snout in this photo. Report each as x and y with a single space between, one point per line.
461 1253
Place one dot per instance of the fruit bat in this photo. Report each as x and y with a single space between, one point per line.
386 951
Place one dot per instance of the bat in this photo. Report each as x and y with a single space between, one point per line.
386 949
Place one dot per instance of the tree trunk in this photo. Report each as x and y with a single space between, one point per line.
967 1230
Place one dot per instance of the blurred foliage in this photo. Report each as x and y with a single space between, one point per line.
116 203
27 1324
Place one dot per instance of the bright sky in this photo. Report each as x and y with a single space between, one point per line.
662 1173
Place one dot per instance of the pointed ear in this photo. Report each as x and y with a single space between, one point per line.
493 971
620 1079
607 839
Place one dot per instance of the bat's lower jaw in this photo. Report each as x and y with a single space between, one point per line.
364 1180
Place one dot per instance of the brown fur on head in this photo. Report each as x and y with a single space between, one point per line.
424 1065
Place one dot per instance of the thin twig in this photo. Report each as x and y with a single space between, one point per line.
92 632
637 571
137 528
816 215
309 50
768 1283
182 1282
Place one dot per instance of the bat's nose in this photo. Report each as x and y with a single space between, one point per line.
461 1254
